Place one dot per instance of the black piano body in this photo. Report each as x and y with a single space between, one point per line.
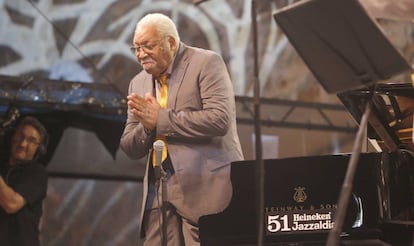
300 200
381 208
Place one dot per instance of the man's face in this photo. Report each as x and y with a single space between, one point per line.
154 52
25 143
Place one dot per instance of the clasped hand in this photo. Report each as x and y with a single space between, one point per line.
144 109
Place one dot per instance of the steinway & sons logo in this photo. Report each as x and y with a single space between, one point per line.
299 218
300 195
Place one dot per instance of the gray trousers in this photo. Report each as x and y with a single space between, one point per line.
180 231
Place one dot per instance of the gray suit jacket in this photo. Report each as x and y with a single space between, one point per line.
200 127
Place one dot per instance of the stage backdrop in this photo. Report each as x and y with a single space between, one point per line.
87 41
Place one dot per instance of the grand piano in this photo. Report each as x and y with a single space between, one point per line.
347 53
301 193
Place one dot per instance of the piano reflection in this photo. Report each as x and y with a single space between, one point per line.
301 193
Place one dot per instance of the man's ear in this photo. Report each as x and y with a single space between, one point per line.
173 44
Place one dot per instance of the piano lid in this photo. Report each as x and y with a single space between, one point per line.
391 120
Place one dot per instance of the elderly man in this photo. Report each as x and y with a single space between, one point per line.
184 97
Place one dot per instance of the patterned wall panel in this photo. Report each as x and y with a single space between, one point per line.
88 41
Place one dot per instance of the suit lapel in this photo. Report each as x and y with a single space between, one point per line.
148 85
177 75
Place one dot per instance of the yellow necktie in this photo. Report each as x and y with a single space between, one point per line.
164 91
163 103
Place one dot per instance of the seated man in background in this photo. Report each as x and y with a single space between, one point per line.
23 184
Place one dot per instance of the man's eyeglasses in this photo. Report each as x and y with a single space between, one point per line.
145 47
30 140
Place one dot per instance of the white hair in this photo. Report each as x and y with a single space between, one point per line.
162 23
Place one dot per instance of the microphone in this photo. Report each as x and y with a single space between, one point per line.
158 147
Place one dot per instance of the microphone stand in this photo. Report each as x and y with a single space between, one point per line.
161 179
258 135
334 233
